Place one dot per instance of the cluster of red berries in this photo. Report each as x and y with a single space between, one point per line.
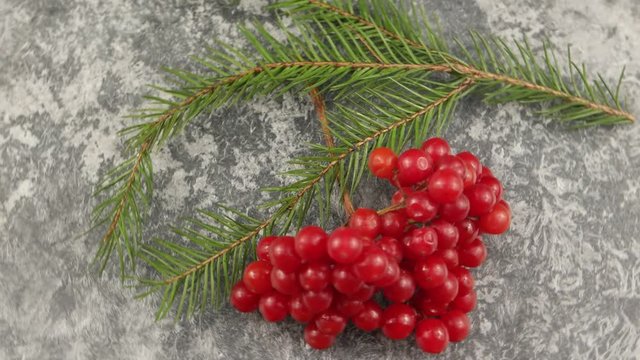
417 253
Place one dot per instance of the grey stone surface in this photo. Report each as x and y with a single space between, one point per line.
564 283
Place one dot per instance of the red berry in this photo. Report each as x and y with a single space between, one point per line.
453 163
262 250
398 321
469 178
299 310
486 172
447 234
446 292
382 162
242 299
392 247
465 303
331 322
494 184
283 254
465 280
367 221
482 199
467 231
349 307
419 207
428 307
420 243
311 243
402 290
414 166
344 280
317 339
457 324
472 160
432 336
369 318
314 276
456 210
436 148
445 186
473 253
430 272
393 223
497 221
257 277
450 257
274 306
391 274
284 282
371 265
318 301
344 245
365 293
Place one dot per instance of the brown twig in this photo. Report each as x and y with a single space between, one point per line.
319 104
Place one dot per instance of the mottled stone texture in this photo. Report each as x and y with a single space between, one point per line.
564 283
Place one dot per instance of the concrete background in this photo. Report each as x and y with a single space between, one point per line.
564 283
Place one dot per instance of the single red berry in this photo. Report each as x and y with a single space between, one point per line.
450 257
446 292
470 176
393 223
465 303
453 163
298 310
402 290
311 243
398 321
456 210
458 325
467 230
497 221
445 186
428 307
243 299
262 250
465 280
317 339
392 247
257 277
430 272
420 243
331 322
382 162
472 160
486 172
314 276
447 233
344 245
369 318
283 254
365 293
349 307
494 184
472 254
367 221
284 282
391 274
371 265
419 207
345 280
414 166
432 336
318 301
482 199
274 306
436 148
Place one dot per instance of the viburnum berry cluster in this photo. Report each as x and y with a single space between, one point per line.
402 269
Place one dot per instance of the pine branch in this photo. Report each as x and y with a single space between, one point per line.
189 271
